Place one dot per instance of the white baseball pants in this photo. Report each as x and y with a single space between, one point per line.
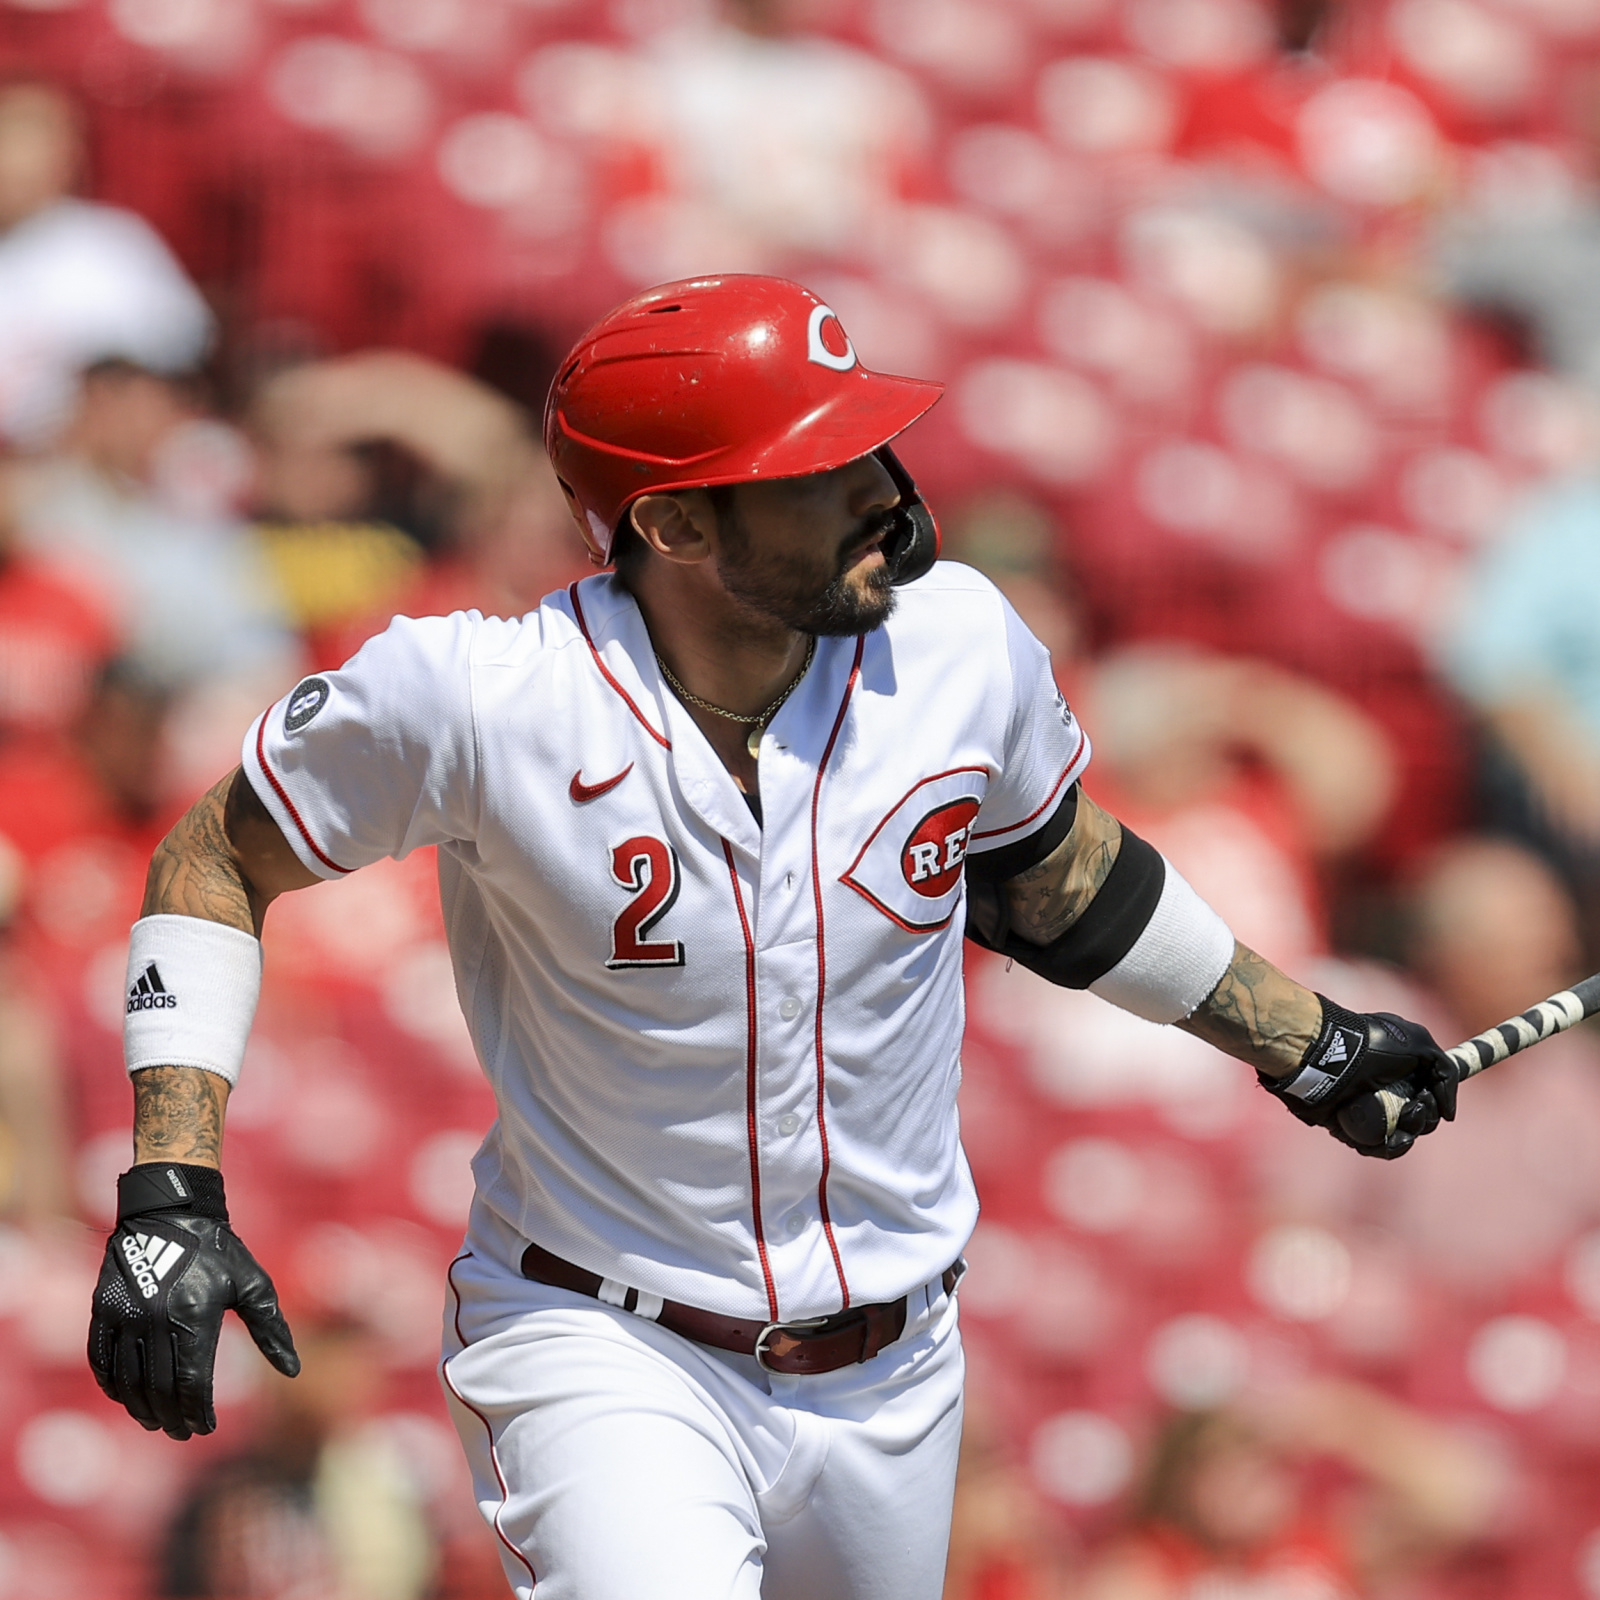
617 1461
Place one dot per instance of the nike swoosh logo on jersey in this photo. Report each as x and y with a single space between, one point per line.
582 792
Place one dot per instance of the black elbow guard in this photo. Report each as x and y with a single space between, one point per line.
1098 940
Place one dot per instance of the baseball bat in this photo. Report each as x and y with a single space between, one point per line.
1360 1120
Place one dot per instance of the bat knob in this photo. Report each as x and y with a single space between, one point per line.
1373 1117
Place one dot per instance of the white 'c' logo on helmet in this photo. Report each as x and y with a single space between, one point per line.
817 351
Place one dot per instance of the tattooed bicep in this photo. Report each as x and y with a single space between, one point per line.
1047 899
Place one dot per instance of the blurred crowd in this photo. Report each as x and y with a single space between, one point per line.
1272 330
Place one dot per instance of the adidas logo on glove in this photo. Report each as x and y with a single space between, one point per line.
150 1258
1339 1049
150 993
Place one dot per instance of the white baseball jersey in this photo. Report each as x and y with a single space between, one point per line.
725 1053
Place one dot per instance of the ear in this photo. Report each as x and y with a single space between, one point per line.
676 526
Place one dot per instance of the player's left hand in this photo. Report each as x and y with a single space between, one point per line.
170 1272
1355 1055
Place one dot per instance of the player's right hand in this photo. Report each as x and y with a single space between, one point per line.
1357 1054
170 1272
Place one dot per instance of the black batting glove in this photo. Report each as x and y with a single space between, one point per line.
1355 1055
172 1267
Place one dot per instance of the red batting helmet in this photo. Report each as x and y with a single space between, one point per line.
711 381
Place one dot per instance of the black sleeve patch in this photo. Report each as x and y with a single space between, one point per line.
995 866
310 695
1102 936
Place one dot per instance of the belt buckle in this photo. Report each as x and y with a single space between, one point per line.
805 1325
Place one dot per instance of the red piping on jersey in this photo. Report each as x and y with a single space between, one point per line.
894 916
494 1458
994 833
605 672
822 973
750 1064
288 804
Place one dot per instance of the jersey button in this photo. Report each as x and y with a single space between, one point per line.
796 1223
789 1009
788 1123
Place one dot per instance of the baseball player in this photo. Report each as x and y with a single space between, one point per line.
711 827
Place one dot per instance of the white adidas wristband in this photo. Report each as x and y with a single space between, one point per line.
1176 962
192 991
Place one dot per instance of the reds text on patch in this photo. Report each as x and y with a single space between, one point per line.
933 854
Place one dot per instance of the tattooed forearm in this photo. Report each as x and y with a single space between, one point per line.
193 872
1258 1014
1046 900
178 1111
177 1115
225 861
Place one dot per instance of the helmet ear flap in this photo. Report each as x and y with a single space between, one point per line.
595 534
912 544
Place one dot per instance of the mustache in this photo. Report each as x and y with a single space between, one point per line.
877 526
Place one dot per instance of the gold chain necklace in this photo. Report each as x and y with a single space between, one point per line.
757 724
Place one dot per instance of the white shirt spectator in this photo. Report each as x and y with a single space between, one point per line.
80 283
802 141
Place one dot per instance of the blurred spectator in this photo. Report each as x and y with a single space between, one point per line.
1002 1542
1533 269
1248 776
1522 242
1011 538
1525 651
111 777
1251 778
53 639
79 282
192 592
796 139
1491 1209
35 1156
1493 930
770 142
1229 1505
372 462
317 1505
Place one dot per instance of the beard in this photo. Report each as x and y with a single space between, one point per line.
785 589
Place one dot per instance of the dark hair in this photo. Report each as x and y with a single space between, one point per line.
628 549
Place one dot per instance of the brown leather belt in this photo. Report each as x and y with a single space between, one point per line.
821 1344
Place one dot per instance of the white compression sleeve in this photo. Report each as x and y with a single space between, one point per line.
1176 962
192 991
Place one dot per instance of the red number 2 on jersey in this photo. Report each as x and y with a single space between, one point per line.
649 868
